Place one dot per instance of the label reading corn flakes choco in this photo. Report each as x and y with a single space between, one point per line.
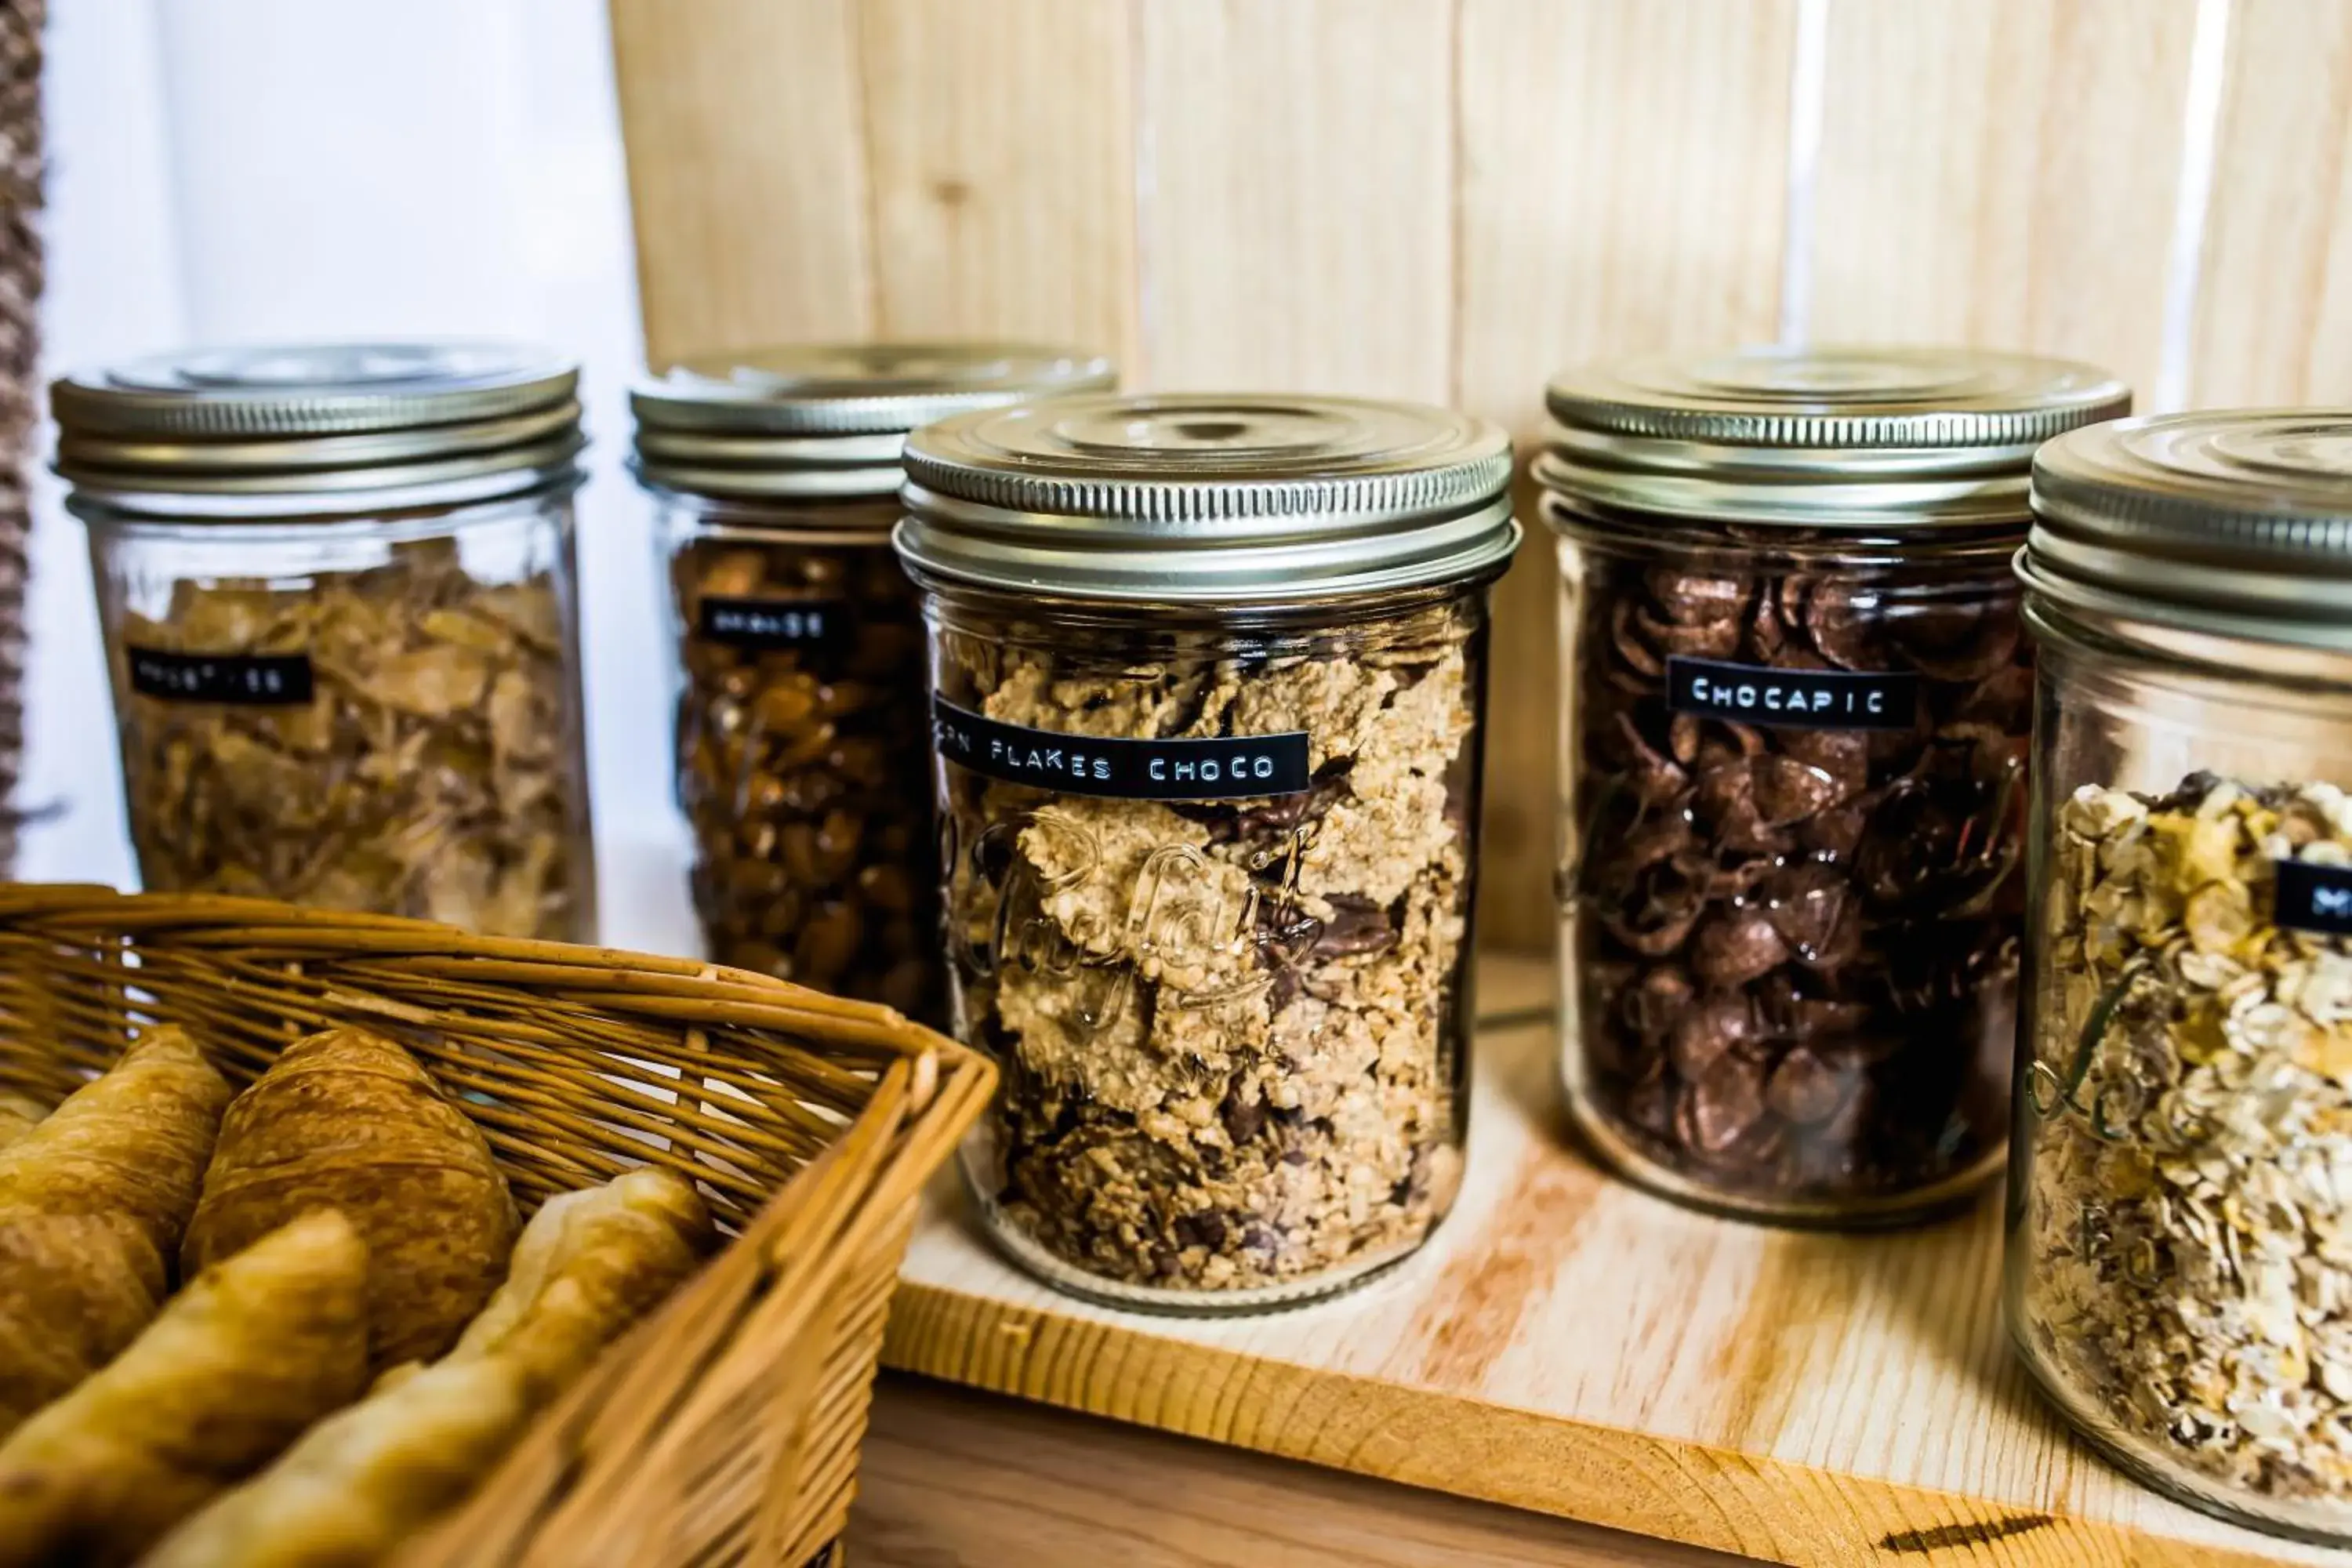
1239 767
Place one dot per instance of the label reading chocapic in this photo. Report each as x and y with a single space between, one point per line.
256 679
1792 699
1236 768
765 623
2315 898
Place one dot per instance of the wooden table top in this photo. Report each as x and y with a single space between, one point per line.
955 1479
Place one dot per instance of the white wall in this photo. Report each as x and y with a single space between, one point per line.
235 170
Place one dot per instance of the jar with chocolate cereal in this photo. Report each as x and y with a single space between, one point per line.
1207 696
801 741
1796 707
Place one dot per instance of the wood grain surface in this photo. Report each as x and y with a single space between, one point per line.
2274 316
1449 199
1971 185
1001 206
1568 1345
952 1479
1620 191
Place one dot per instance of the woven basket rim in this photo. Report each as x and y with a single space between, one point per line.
769 1316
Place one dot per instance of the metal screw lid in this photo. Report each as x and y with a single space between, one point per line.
828 419
1208 498
2235 522
1821 437
417 421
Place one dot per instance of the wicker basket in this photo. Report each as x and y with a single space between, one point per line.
726 1426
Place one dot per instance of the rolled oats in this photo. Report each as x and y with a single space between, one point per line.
2186 1277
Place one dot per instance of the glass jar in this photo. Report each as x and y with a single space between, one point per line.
337 590
1208 679
2180 1266
803 740
1796 707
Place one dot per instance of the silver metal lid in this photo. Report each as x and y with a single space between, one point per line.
828 419
1853 437
1209 497
349 425
2236 523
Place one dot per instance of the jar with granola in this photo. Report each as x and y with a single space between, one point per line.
1796 706
337 590
1207 691
2179 1265
803 739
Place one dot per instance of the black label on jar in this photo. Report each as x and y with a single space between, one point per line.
1239 768
2315 898
254 679
760 625
1792 699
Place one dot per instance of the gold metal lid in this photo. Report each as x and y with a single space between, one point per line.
354 427
1850 437
2233 522
814 420
1208 498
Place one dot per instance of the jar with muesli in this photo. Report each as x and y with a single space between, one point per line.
802 734
1207 691
337 588
2179 1268
1796 707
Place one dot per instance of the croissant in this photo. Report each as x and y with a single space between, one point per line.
236 1367
19 1116
92 1204
588 1265
348 1121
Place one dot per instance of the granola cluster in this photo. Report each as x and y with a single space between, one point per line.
1229 1030
2187 1272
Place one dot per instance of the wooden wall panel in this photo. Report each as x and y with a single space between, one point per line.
2001 172
1447 199
1297 221
1000 140
1622 171
2274 301
746 171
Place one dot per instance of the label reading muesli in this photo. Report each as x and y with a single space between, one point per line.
1792 699
252 680
1218 768
761 626
2315 898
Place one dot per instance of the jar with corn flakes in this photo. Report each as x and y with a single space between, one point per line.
1207 691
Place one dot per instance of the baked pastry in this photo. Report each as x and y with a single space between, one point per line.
347 1119
92 1204
19 1116
588 1264
239 1365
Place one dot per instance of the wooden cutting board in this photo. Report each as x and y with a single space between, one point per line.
1571 1345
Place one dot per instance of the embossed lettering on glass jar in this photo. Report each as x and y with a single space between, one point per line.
1208 684
337 589
1796 705
802 732
2180 1266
